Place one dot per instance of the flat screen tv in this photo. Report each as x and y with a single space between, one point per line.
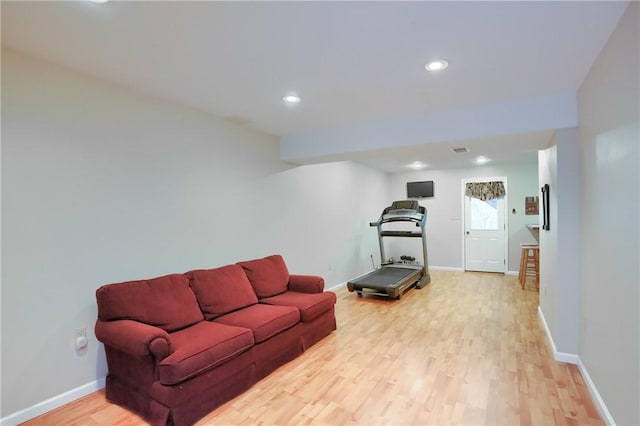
420 189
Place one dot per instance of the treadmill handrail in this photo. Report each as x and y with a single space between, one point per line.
400 234
418 218
417 221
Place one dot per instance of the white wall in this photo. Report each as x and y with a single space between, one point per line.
102 184
548 174
568 219
610 214
444 220
559 166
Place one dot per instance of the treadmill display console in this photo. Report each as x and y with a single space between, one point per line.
405 210
405 205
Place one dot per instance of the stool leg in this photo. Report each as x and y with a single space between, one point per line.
536 259
525 264
522 267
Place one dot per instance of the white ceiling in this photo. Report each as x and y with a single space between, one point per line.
351 62
499 149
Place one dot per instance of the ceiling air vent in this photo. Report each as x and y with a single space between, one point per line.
460 150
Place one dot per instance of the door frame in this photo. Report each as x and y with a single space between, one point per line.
463 183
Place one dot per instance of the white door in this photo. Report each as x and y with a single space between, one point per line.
485 235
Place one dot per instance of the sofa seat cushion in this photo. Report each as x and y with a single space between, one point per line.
201 347
221 290
263 320
310 305
268 276
166 302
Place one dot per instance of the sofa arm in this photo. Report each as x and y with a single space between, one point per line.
134 338
306 283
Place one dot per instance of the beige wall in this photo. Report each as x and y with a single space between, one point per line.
101 184
610 197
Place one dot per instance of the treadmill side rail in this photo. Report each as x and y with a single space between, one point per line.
390 280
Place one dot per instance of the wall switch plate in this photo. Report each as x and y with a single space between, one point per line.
80 332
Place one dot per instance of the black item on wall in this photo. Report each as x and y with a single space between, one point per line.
545 207
420 189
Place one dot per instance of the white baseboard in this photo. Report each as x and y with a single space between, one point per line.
445 268
558 356
512 273
336 287
52 403
575 359
600 405
343 284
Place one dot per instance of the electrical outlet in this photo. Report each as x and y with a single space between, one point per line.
80 340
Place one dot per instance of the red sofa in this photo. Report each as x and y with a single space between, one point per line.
180 345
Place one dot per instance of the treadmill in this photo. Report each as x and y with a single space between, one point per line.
393 279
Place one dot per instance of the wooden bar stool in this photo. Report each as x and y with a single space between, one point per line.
529 264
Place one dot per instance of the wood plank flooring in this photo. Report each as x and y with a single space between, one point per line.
468 349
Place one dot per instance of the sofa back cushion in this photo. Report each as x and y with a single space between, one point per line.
268 276
166 302
221 290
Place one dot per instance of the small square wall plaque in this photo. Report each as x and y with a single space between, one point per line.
531 205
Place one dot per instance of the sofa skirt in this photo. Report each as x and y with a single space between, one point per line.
318 329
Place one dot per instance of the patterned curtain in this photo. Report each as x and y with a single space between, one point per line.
485 190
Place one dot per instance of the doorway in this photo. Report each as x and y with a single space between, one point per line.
484 229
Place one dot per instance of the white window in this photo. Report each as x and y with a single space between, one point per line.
484 214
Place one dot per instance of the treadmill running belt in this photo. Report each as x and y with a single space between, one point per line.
386 277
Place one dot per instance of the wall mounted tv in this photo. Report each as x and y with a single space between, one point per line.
420 189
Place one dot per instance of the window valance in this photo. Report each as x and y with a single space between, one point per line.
485 190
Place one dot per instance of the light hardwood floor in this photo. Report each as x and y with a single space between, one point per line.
468 349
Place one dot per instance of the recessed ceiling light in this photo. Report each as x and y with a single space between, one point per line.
482 160
437 65
98 1
417 165
291 99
